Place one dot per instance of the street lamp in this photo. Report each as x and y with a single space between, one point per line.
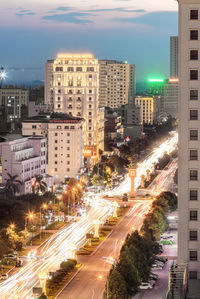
43 277
44 207
30 217
12 226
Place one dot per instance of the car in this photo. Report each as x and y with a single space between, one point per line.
153 276
151 281
10 256
159 263
161 258
4 276
145 286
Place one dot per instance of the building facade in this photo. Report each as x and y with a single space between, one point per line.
48 86
189 132
170 97
64 143
174 56
26 158
117 83
13 99
147 109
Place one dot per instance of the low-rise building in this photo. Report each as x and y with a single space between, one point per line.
64 142
170 97
26 158
147 109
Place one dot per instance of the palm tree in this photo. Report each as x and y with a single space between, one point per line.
12 184
39 185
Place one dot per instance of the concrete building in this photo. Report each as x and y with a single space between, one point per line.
174 56
147 109
189 133
64 142
76 92
26 158
113 125
170 98
130 114
117 83
48 86
36 109
14 99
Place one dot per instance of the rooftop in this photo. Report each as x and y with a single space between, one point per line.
54 117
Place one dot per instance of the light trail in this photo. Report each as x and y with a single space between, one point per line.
20 284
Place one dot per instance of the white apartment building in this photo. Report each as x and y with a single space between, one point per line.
174 56
189 137
13 99
64 142
117 83
170 97
26 158
48 86
147 109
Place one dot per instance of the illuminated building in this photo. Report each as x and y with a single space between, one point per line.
174 56
64 142
147 109
117 83
48 86
76 92
26 158
170 97
14 99
189 136
155 86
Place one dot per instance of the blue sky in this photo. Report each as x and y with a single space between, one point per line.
138 31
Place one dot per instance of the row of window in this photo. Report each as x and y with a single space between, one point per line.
66 127
56 169
68 134
56 141
56 162
56 148
70 91
77 69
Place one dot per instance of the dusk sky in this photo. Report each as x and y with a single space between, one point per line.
138 31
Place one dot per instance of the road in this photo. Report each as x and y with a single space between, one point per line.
57 248
86 284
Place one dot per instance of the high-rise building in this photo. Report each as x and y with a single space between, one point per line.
48 86
117 83
189 134
76 92
64 142
147 109
14 99
26 158
170 97
174 56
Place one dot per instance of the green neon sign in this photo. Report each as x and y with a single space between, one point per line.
156 80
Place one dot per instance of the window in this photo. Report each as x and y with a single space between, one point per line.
56 148
193 94
59 127
194 55
67 148
193 155
193 175
56 162
68 134
193 235
56 155
56 134
67 128
90 113
193 215
56 141
193 134
193 34
68 162
68 141
194 14
79 69
68 155
193 74
70 69
193 195
58 105
55 169
193 255
193 275
72 127
90 91
193 114
34 127
68 169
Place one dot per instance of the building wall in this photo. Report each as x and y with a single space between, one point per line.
170 99
48 86
13 99
174 56
117 83
147 109
64 145
25 158
187 182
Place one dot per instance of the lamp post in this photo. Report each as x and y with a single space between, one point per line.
30 217
43 278
72 251
44 207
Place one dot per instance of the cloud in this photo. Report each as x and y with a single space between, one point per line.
24 12
71 17
120 9
63 8
161 19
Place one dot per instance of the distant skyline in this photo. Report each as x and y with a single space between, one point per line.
138 31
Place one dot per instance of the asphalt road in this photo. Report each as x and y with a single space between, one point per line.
87 285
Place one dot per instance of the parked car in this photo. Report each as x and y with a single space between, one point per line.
159 263
161 258
153 276
145 286
4 276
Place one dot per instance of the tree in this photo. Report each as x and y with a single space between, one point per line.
140 261
115 286
12 184
128 271
39 185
